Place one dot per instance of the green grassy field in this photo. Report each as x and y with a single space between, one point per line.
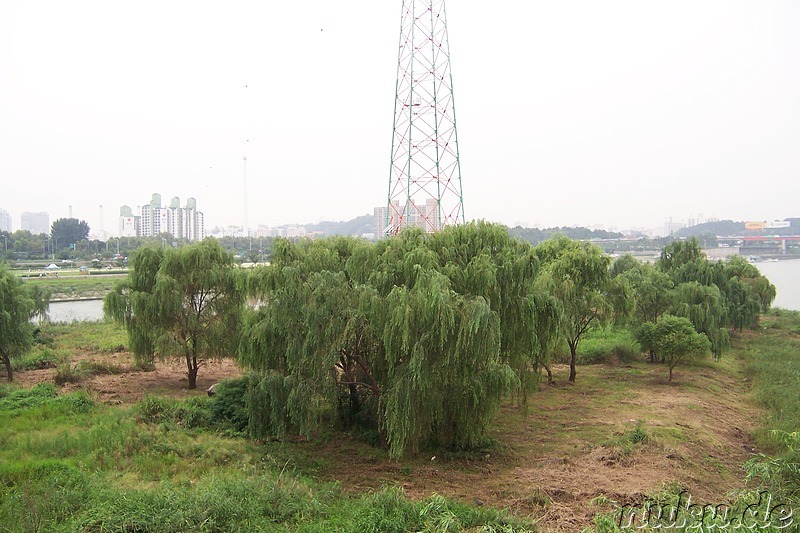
69 464
76 286
578 452
57 343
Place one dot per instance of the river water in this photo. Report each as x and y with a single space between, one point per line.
77 311
785 275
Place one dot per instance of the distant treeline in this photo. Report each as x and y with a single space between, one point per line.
724 228
536 235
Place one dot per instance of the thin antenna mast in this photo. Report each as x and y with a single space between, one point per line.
244 188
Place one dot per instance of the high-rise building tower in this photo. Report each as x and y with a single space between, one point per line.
5 221
425 177
36 223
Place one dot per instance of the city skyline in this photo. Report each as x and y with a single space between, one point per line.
569 114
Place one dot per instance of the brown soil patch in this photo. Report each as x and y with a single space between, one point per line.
168 379
571 447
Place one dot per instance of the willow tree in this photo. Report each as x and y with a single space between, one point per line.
703 305
715 296
653 291
182 302
747 293
578 275
19 303
132 304
417 336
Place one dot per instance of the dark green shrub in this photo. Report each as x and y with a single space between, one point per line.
228 406
225 411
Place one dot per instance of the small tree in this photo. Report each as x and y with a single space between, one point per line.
182 302
673 339
578 275
18 305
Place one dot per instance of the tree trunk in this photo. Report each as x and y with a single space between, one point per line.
191 364
380 416
549 374
573 356
7 361
670 373
355 403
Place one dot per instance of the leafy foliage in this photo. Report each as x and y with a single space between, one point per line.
714 296
674 339
183 302
18 305
67 231
132 303
416 337
577 274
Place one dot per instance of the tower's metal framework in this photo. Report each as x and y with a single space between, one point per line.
425 177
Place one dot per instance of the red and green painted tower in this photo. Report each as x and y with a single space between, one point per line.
425 177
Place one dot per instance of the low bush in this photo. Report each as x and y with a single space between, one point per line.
225 411
37 359
100 368
602 346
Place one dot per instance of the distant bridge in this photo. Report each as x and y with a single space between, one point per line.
776 243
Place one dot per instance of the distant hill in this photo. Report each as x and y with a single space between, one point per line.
724 228
363 224
536 235
721 228
356 226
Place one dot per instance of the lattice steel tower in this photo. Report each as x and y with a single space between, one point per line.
425 178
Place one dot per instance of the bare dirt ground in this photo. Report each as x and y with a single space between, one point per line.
168 379
549 464
569 449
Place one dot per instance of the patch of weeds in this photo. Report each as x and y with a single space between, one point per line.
604 345
100 368
225 411
37 359
18 400
638 435
68 373
623 445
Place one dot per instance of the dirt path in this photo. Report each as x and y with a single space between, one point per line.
168 379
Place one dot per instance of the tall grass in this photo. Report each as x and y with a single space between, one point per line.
772 362
69 464
603 345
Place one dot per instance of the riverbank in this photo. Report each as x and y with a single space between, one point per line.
76 287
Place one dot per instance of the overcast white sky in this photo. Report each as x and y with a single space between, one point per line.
615 113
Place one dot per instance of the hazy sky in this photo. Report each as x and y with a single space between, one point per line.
620 113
